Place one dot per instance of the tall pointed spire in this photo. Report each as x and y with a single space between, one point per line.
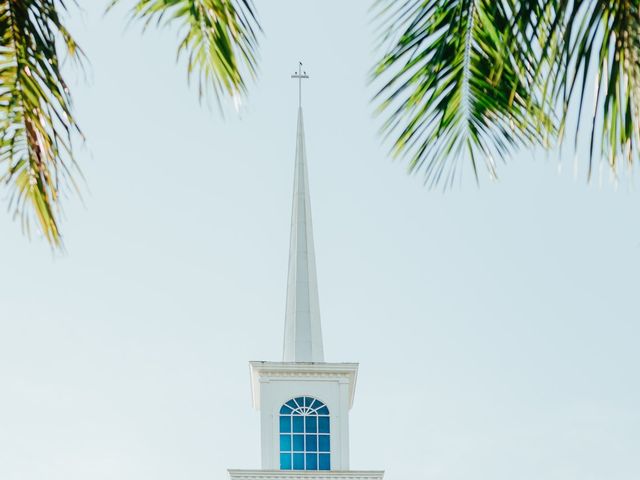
302 331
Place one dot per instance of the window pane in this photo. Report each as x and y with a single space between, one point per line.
285 461
298 424
323 443
323 424
307 401
323 410
285 410
285 424
312 443
298 461
300 401
311 424
312 461
324 463
315 404
292 404
285 443
298 443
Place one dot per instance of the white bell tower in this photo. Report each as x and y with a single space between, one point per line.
304 402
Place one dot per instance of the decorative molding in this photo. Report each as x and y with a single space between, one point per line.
267 371
279 373
302 367
306 474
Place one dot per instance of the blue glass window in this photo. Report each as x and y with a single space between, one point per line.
323 424
298 424
305 442
285 443
312 461
298 461
298 443
285 424
286 409
325 464
311 445
323 443
311 424
285 461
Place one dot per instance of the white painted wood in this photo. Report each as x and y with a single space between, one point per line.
303 372
274 383
306 474
302 332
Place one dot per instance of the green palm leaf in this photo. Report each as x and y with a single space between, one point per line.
479 78
454 84
218 39
36 122
601 42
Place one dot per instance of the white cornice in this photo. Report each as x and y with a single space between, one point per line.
306 474
316 370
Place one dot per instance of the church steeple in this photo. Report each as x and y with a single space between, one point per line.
302 331
304 402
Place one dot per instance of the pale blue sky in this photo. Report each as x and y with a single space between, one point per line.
496 326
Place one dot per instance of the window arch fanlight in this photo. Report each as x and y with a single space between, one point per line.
304 435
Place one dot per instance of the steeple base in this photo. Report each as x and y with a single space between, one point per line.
332 384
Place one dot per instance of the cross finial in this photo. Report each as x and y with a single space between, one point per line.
300 74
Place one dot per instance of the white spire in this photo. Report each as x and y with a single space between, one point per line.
302 331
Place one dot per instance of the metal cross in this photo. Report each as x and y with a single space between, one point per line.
300 74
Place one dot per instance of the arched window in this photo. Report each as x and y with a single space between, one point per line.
304 435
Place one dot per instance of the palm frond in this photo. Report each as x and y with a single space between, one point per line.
456 82
36 120
601 45
218 40
491 76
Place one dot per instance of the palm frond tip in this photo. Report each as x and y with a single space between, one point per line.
36 120
218 40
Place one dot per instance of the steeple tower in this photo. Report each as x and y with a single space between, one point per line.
304 402
302 331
